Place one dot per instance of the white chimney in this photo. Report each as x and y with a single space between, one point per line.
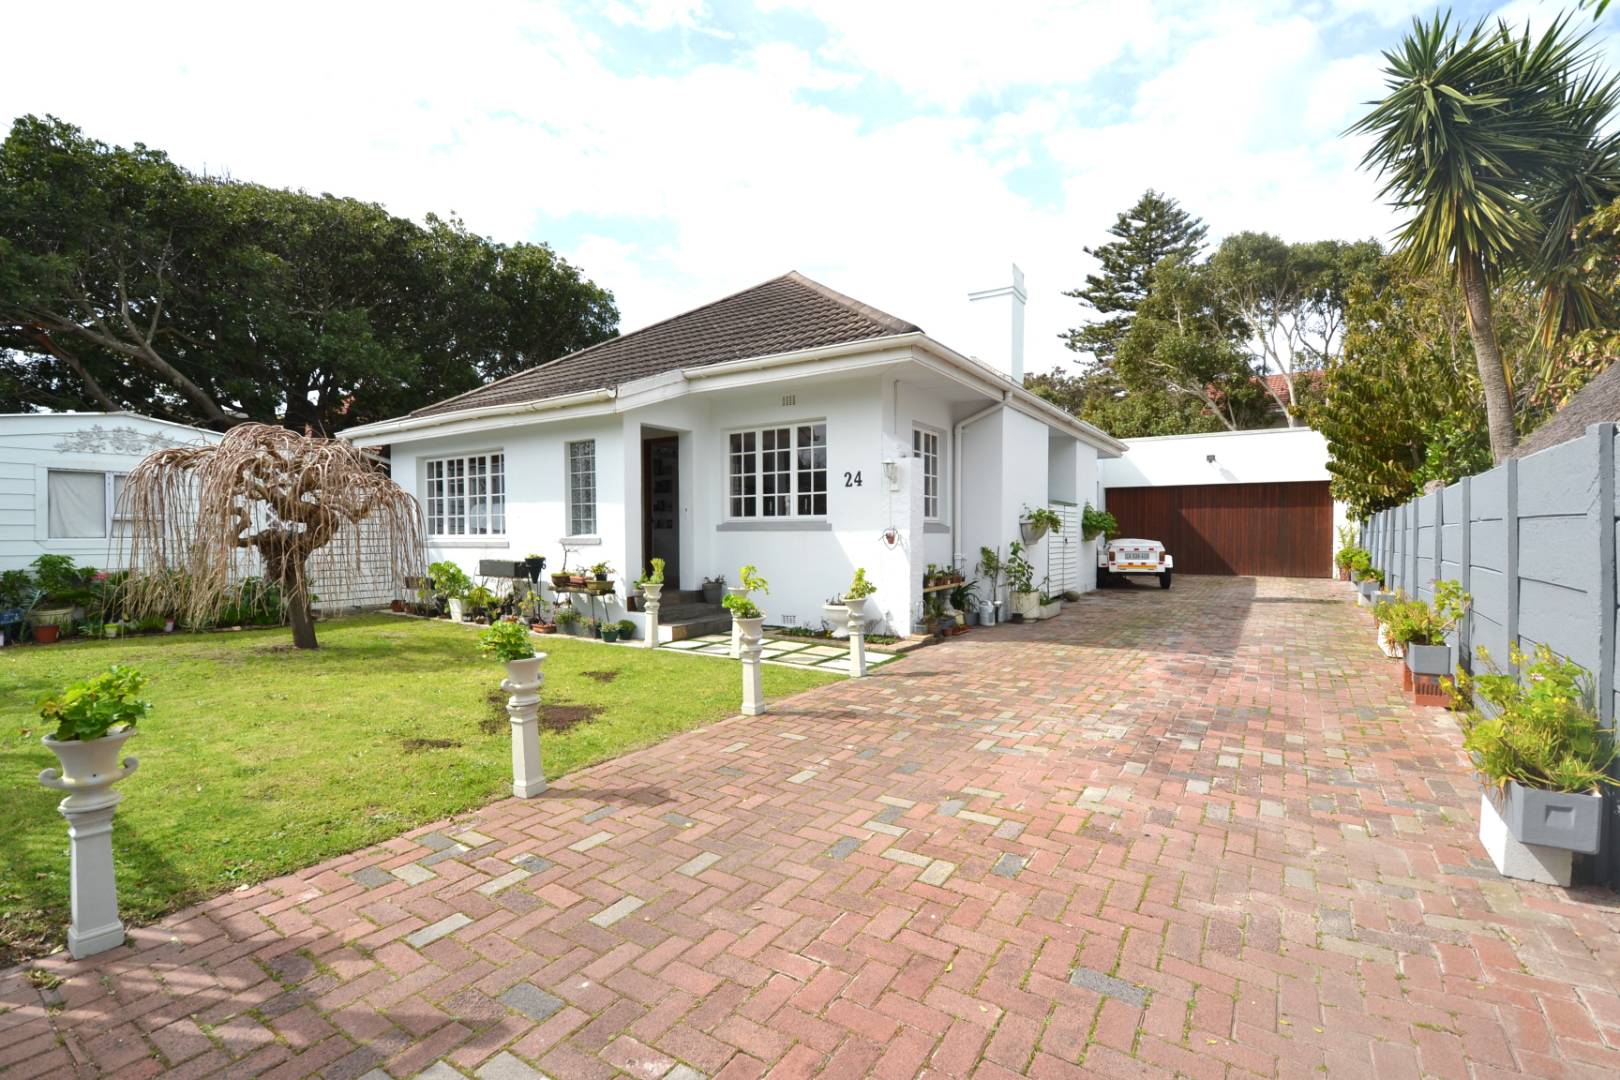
1015 296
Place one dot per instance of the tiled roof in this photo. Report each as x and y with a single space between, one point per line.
782 315
1597 402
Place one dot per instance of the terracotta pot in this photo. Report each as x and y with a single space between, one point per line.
46 633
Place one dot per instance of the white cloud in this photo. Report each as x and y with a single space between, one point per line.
699 178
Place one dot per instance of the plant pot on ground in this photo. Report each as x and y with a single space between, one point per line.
1543 756
714 589
610 632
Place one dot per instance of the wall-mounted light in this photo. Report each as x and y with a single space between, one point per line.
891 474
1209 458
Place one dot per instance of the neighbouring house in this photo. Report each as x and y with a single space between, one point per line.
61 475
1230 502
1598 402
787 425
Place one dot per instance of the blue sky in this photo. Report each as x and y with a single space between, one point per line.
904 151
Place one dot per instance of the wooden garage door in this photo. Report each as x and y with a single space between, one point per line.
1280 530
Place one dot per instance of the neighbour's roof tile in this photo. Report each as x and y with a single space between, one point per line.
1597 402
782 315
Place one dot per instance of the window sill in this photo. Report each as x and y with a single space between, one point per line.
778 525
935 527
580 541
468 541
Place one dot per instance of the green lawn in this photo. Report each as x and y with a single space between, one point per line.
258 759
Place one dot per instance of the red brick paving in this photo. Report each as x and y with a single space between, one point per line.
1194 832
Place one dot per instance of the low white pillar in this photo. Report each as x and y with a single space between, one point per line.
857 637
89 770
523 679
751 640
650 595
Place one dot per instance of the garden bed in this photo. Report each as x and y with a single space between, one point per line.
259 759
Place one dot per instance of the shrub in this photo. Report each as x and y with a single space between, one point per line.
1348 558
741 607
627 629
566 616
859 587
1020 574
1095 523
1544 734
506 641
92 707
450 579
64 583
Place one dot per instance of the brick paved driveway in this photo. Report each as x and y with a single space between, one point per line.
1192 832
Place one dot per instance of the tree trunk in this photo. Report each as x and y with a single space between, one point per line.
301 618
1488 357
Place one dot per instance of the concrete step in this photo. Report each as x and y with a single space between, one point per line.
687 620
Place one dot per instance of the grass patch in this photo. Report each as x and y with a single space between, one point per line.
259 759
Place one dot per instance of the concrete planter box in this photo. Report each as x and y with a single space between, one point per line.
1027 604
1366 590
1533 835
1433 660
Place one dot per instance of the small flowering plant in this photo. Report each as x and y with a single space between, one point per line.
94 707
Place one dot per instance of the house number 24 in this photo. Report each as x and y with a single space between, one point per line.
852 479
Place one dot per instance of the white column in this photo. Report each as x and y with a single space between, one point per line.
93 889
650 595
857 638
752 642
523 679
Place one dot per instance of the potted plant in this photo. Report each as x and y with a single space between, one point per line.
1051 606
511 645
651 583
1026 602
965 599
66 589
714 588
1095 523
1388 612
481 599
857 596
744 612
1422 630
990 606
451 581
609 632
1543 756
567 619
533 565
1346 557
1034 524
835 616
935 619
600 579
561 578
94 718
627 630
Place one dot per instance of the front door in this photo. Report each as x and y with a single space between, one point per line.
660 506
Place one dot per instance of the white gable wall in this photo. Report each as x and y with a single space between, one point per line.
33 444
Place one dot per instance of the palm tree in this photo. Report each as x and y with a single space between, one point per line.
1493 142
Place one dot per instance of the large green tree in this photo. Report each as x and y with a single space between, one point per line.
129 282
1494 143
1156 228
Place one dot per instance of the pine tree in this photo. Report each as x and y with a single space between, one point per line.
1154 229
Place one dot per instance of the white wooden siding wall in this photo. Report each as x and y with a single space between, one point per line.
1063 551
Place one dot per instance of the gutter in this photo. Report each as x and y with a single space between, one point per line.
417 423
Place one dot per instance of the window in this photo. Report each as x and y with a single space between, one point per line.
82 505
777 472
925 444
582 488
466 496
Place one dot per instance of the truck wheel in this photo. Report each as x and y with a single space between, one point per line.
1164 580
1104 578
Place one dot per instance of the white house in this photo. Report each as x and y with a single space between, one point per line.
787 426
1230 502
61 475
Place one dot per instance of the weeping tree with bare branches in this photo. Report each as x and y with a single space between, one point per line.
269 503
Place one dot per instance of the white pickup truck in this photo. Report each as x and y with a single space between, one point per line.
1118 558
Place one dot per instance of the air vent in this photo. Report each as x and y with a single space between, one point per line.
790 620
789 399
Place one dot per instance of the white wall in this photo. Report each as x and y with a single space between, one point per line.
32 444
1267 455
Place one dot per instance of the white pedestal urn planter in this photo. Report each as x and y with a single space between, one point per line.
89 770
750 635
857 615
651 599
458 609
736 640
836 616
523 679
1533 835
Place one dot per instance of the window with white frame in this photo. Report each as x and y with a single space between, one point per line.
777 472
466 496
582 488
82 505
925 444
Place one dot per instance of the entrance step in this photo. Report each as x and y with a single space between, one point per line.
677 622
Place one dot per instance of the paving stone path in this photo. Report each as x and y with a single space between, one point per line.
801 652
1193 832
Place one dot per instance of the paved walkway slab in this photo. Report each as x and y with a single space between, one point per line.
1194 832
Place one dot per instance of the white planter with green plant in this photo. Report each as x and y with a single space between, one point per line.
510 643
451 582
652 594
1096 523
991 566
1034 524
1543 756
748 634
1025 601
94 718
858 604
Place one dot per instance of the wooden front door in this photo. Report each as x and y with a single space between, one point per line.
661 507
1277 530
